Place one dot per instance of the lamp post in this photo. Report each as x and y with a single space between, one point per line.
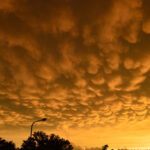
44 119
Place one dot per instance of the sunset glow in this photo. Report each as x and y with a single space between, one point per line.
82 64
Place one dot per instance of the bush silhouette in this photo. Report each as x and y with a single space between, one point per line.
41 141
5 145
105 147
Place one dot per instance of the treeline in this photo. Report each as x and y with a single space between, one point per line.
40 141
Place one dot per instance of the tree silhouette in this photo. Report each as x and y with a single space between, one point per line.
5 145
41 141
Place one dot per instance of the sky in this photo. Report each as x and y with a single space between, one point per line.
82 64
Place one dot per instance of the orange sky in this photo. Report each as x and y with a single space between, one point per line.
82 64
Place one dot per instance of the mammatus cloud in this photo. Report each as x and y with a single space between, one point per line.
81 66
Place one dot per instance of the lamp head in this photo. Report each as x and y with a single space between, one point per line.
44 119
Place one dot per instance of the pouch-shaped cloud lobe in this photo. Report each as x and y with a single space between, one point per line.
82 64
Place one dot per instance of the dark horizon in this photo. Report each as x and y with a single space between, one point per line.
39 140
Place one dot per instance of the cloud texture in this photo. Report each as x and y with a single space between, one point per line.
81 64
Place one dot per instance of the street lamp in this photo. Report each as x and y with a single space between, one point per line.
44 119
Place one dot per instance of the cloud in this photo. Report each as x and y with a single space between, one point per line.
131 64
146 28
145 24
81 66
114 83
94 64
